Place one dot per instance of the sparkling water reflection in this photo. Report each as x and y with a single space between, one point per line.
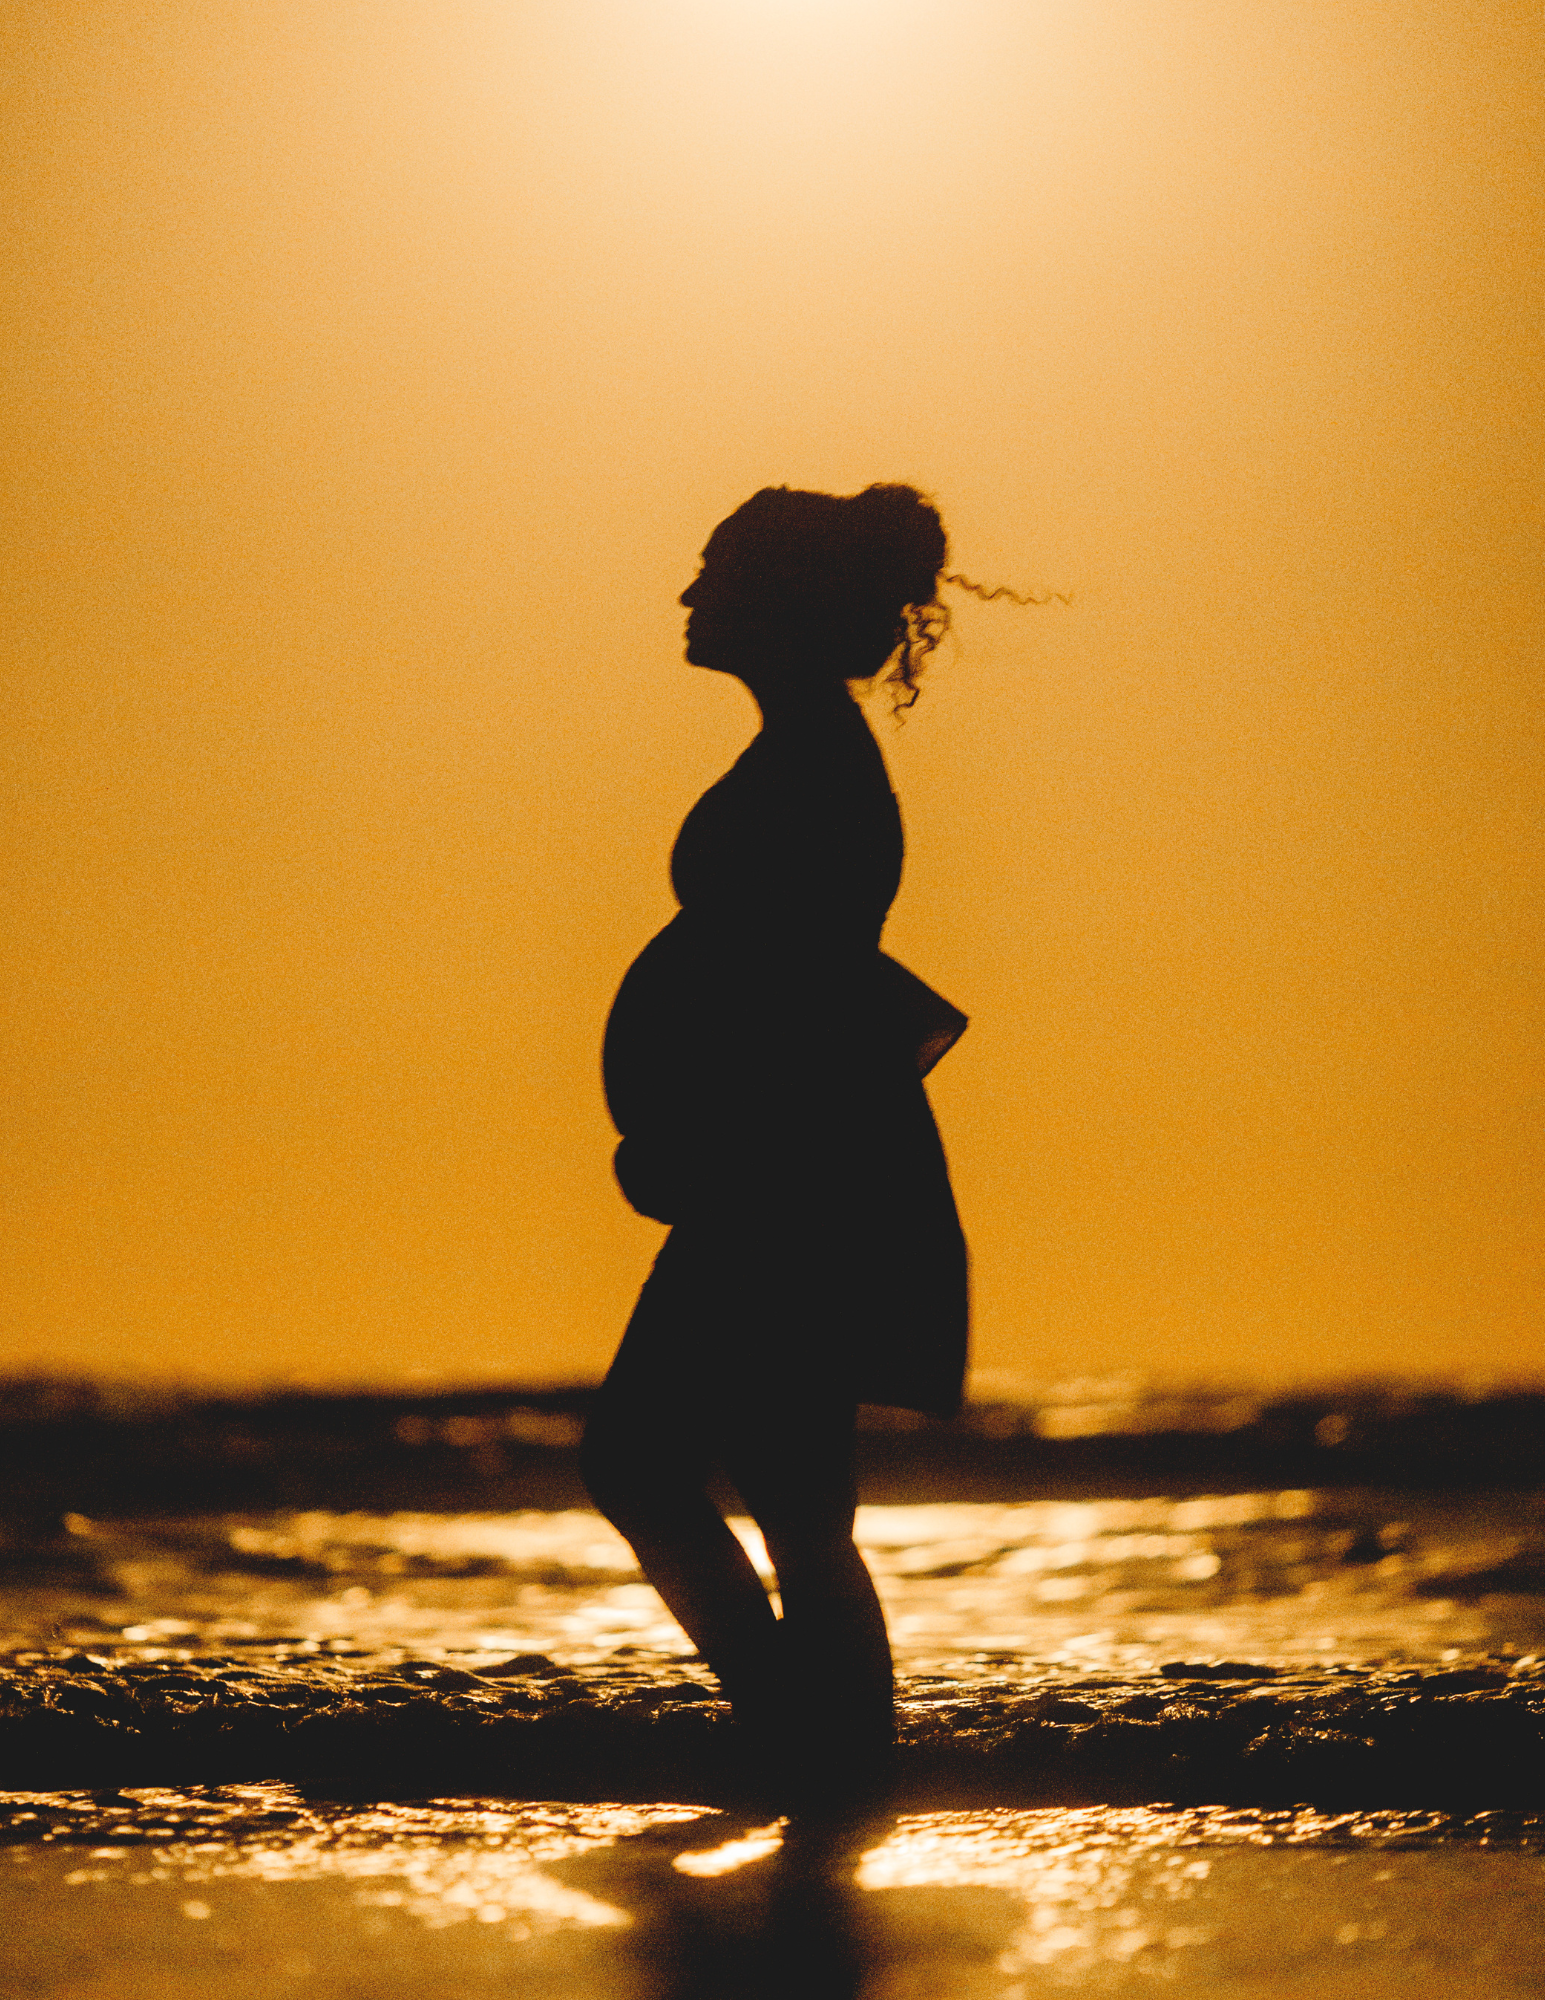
1086 1892
1289 1576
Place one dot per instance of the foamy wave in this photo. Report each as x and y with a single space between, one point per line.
1470 1737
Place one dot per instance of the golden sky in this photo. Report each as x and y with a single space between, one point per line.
377 372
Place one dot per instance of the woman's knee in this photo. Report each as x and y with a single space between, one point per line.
820 1556
632 1475
605 1465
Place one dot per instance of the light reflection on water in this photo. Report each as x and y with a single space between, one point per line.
439 1864
1103 1898
1082 1889
1289 1576
1157 1892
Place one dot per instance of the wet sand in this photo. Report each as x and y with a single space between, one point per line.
257 1891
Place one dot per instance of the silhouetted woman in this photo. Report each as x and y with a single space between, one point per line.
764 1064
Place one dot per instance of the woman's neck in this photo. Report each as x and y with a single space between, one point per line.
786 702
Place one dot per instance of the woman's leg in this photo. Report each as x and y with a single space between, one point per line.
649 1485
792 1461
648 1452
706 1372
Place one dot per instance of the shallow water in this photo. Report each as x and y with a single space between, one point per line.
1290 1577
1257 1648
256 1889
1062 1666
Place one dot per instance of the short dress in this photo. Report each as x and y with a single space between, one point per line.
763 1061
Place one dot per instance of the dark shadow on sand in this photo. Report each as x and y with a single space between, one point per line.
788 1922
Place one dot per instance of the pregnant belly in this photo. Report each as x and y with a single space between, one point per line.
741 1079
656 1018
706 1026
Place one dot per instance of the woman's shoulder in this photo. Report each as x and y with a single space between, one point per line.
842 751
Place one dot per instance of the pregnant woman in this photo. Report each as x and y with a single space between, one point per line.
764 1063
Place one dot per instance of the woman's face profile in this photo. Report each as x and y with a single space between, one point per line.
711 620
692 598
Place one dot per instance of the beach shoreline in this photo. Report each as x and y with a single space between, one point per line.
258 1890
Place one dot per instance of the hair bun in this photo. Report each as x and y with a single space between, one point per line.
902 537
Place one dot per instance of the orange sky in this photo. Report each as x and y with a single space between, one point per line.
380 369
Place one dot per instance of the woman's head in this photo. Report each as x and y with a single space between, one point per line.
817 587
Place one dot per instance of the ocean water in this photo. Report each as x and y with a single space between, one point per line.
1353 1646
1261 1738
1291 1577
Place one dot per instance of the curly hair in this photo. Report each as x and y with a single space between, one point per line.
990 593
863 567
922 628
